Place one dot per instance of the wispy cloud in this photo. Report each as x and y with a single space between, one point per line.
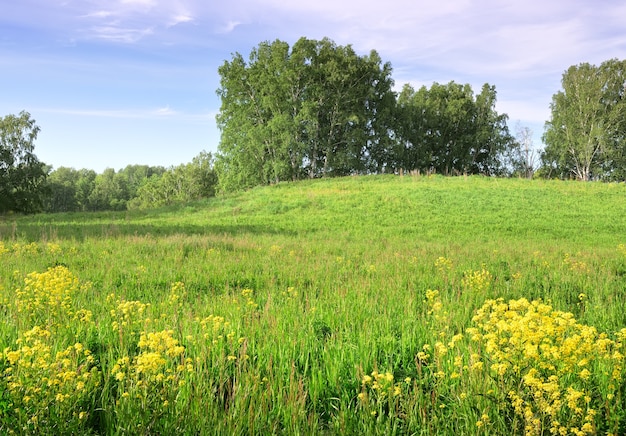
164 111
111 113
228 27
130 21
159 113
179 19
97 14
117 33
144 3
468 36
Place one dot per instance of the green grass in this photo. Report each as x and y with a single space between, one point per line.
319 284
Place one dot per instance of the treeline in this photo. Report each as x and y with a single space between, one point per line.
318 109
133 187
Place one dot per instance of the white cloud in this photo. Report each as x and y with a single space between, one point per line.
526 111
228 27
159 113
119 34
164 111
129 21
521 48
98 14
143 3
179 19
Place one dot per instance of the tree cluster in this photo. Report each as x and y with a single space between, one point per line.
449 130
586 135
28 185
313 110
22 175
318 109
133 187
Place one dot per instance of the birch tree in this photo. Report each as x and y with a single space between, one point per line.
585 136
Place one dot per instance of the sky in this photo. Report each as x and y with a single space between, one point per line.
113 83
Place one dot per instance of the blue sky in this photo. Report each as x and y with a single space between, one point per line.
119 82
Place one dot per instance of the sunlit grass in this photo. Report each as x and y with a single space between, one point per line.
350 306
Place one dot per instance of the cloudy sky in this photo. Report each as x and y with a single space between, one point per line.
119 82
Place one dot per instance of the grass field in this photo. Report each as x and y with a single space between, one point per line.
361 305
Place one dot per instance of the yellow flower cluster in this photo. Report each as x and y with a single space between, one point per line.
48 388
155 375
544 361
25 249
177 293
159 354
443 264
151 381
477 281
247 294
290 293
433 301
224 343
575 265
381 393
435 309
213 324
47 296
128 316
53 248
161 342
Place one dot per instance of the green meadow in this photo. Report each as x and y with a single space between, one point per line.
362 305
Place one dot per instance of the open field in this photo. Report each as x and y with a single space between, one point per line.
361 305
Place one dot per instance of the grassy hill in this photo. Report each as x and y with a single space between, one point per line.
360 305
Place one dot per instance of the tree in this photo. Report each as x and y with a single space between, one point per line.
523 156
62 190
346 96
108 192
183 183
252 118
492 139
85 184
201 172
313 110
445 128
586 134
22 175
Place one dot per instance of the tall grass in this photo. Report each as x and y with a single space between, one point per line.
365 305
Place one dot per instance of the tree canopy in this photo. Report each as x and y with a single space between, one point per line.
449 130
319 109
311 110
22 175
132 187
586 134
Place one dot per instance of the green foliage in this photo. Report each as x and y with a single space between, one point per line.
184 183
446 129
315 110
585 135
135 186
22 175
322 110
